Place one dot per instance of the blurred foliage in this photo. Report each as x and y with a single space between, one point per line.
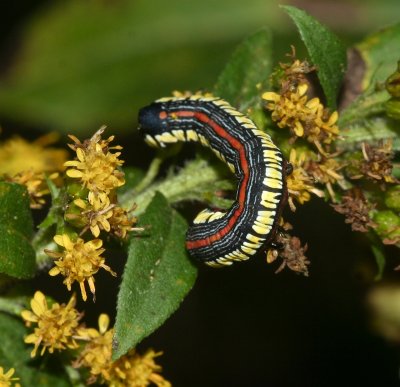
79 65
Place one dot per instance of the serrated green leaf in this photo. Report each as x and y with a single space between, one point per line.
17 257
248 70
157 276
325 50
380 52
14 353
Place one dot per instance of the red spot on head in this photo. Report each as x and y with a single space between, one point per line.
163 115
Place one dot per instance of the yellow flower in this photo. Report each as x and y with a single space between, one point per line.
121 223
56 326
35 184
96 213
132 369
299 183
305 118
6 379
16 154
136 370
78 262
96 355
96 167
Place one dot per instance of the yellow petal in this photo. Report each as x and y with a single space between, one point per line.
80 203
83 291
80 154
302 89
298 129
333 118
67 242
271 96
54 271
95 230
59 240
39 303
27 315
74 173
104 322
95 243
313 103
31 339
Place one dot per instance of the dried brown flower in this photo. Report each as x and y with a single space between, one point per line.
291 253
376 163
356 210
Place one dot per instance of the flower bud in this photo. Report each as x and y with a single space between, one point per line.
392 198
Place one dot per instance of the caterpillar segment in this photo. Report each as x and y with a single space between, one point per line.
221 238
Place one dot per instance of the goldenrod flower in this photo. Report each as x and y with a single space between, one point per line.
96 167
96 354
136 370
6 379
305 118
121 223
56 326
96 213
78 262
132 369
299 183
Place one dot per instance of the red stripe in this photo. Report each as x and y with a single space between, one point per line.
236 144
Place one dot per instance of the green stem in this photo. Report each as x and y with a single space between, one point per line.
366 105
186 183
11 306
151 174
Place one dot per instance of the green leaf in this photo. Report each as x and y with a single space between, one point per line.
17 257
157 276
380 52
14 353
325 50
247 71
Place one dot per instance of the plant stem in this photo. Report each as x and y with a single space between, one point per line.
186 183
151 174
11 306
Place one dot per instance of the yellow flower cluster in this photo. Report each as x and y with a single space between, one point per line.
299 183
79 261
304 117
132 369
96 168
58 328
94 208
16 154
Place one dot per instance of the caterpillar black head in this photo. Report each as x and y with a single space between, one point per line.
152 119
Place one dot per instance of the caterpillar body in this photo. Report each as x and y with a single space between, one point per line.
220 238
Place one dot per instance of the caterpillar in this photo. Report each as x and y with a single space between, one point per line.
219 238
